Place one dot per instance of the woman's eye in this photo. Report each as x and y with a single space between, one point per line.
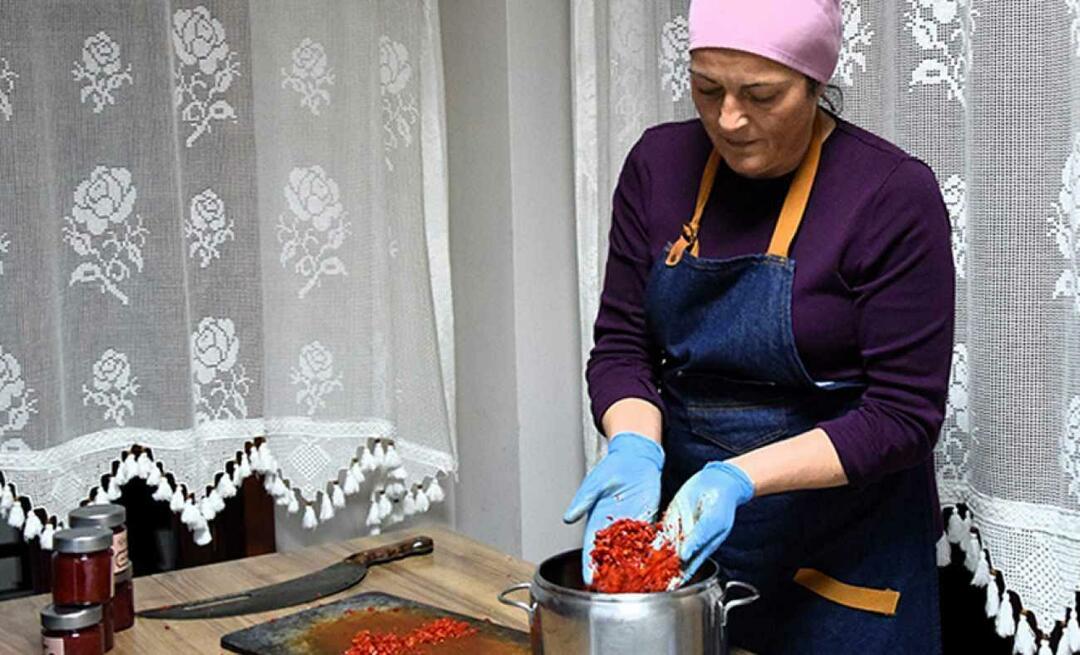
764 99
711 92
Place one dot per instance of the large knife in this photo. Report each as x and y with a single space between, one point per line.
304 589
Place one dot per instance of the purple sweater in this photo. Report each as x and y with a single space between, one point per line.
873 292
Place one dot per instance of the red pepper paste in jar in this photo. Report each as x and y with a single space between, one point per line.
72 630
123 601
111 517
628 557
82 571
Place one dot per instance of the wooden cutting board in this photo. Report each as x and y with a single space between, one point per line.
328 630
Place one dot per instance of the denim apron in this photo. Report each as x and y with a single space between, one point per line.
842 570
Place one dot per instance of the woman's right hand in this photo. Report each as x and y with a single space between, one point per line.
624 484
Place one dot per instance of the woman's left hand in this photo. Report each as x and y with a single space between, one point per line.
701 514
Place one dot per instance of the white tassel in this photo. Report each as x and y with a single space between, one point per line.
1025 641
409 505
207 509
99 497
993 599
373 518
268 483
337 496
255 460
435 492
200 523
267 459
32 526
397 516
982 572
326 509
225 487
395 490
284 499
279 489
956 527
1072 631
357 472
245 467
393 459
375 531
7 501
398 473
1063 647
385 507
1044 648
113 492
131 468
422 502
1005 624
351 485
309 522
47 536
294 504
973 553
367 461
176 503
16 516
944 552
189 514
121 474
163 493
203 537
145 465
217 501
154 478
378 453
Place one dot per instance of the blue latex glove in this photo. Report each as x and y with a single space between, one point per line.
700 516
625 484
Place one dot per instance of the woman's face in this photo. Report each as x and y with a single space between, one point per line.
758 113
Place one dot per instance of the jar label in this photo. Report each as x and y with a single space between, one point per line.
52 646
120 551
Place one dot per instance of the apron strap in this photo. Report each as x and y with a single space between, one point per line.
790 216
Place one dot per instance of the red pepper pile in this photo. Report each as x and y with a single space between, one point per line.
625 560
367 642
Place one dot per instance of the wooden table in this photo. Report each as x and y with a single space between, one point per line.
462 576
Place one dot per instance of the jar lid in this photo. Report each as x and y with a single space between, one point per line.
82 540
105 516
70 618
124 575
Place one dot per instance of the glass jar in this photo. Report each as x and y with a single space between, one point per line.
112 517
72 630
123 601
82 572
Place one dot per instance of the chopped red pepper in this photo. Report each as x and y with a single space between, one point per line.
367 642
627 559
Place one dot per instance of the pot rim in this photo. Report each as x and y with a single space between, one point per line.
711 581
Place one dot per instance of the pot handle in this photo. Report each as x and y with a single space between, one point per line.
728 605
505 600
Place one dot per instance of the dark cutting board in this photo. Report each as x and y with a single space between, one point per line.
328 630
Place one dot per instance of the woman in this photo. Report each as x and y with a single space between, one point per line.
785 414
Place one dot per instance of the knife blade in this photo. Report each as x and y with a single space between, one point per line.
303 589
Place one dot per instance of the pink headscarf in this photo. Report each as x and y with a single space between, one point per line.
802 34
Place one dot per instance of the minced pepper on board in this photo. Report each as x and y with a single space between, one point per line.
628 558
367 642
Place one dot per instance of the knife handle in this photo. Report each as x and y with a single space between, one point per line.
419 545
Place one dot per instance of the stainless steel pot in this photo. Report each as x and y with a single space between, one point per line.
565 619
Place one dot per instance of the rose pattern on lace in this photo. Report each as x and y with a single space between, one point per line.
205 70
17 400
675 57
207 226
220 382
7 88
943 29
399 108
1069 445
857 37
315 228
309 75
100 229
954 192
315 376
953 446
102 70
1065 226
113 386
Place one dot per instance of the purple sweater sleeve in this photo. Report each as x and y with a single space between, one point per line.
899 271
620 365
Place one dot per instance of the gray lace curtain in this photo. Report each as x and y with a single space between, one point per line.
987 94
223 252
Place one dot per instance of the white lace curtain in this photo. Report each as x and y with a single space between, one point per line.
986 93
222 224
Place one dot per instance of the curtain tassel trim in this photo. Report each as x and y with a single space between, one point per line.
378 462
